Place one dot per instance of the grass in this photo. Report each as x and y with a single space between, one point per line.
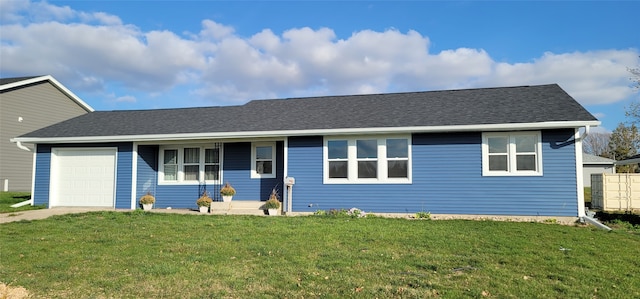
153 255
9 198
587 196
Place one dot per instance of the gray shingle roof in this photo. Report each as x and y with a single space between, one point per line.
591 159
506 105
4 81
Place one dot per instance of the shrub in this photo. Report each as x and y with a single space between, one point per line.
204 200
147 199
423 215
227 190
272 202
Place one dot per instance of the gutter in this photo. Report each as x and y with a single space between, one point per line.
306 132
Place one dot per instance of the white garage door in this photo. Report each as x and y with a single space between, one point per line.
83 177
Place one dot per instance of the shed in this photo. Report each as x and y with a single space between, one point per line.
592 164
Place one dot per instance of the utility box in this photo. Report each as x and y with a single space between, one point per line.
615 191
289 181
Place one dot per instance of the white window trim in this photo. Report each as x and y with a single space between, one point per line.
254 172
180 180
511 154
352 160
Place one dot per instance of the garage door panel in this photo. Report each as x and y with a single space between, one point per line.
83 177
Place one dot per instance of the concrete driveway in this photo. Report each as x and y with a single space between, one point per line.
45 213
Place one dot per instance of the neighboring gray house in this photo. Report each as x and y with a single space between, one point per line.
593 164
28 104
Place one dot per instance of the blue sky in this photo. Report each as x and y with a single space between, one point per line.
163 54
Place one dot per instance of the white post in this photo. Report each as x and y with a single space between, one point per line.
6 185
289 197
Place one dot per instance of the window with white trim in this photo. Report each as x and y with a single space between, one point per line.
189 164
367 160
511 153
263 160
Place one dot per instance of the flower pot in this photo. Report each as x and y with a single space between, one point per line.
204 209
272 212
227 198
147 206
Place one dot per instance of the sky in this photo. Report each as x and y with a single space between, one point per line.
121 55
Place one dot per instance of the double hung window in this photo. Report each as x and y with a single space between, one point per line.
189 164
514 153
367 159
263 160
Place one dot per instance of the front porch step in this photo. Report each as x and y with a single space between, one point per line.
238 207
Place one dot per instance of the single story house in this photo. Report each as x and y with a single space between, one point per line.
495 151
594 164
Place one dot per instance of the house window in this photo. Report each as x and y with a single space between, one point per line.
189 165
338 159
171 165
263 160
367 160
515 153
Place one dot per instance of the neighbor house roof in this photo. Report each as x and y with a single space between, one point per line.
20 82
4 81
592 159
506 108
631 160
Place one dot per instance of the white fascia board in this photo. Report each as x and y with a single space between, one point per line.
348 131
53 81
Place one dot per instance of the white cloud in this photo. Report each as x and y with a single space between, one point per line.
91 50
127 99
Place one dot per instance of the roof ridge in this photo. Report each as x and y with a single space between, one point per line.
399 93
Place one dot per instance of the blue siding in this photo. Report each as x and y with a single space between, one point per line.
123 175
447 179
147 175
236 170
43 173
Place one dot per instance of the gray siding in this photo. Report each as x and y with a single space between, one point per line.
589 169
39 105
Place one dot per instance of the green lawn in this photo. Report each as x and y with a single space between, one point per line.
152 255
587 196
9 198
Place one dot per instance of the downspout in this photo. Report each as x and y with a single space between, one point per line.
22 147
579 170
581 137
589 216
30 201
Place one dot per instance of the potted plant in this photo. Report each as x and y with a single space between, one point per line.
147 201
204 202
227 192
273 204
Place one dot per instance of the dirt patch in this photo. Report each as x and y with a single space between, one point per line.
11 292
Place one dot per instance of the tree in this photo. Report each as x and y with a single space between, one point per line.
624 143
596 143
635 77
633 110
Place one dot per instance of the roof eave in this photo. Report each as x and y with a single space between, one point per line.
53 81
281 133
